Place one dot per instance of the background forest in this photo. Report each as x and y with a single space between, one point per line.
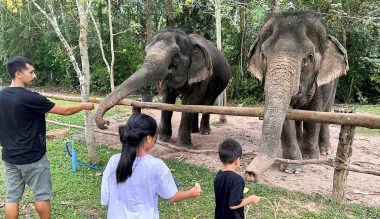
25 31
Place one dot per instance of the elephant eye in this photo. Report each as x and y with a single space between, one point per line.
308 60
263 60
175 60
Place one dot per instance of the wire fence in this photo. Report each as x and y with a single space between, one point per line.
341 162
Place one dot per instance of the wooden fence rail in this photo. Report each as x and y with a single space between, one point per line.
347 121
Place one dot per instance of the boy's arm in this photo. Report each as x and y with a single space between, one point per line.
246 201
72 109
182 195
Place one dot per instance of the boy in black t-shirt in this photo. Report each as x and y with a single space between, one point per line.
228 185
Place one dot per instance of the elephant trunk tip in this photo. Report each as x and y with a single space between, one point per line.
258 165
251 176
101 123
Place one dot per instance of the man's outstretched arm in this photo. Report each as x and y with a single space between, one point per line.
71 109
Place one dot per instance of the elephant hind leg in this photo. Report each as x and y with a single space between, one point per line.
290 147
324 140
195 127
310 149
205 124
184 132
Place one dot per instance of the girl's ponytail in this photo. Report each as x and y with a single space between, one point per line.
131 137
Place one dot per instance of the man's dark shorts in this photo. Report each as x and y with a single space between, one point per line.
36 175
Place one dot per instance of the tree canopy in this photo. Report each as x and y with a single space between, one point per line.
25 31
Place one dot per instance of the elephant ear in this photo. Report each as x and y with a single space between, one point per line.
254 61
201 66
334 62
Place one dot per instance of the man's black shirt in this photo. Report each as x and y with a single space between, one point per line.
228 187
22 125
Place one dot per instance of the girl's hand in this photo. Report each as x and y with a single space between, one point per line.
195 191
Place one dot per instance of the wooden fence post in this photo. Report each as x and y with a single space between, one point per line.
343 154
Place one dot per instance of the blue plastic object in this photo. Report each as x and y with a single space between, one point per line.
176 183
75 160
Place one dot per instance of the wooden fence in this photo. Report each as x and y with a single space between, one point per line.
341 163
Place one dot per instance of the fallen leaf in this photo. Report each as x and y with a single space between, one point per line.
245 190
198 185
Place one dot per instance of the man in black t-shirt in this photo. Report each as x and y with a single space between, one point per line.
23 138
229 186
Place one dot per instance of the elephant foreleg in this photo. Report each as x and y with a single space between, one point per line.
290 147
310 149
324 135
165 128
324 140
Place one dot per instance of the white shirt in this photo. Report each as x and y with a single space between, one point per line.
137 197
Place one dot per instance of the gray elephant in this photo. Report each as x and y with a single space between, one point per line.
299 65
186 65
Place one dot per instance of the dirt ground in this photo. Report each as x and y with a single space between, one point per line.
361 188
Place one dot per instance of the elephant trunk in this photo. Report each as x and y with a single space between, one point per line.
280 84
147 74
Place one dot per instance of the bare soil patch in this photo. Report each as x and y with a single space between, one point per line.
361 188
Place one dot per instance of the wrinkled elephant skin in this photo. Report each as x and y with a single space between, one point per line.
299 65
184 65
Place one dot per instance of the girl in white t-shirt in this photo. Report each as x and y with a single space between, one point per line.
133 179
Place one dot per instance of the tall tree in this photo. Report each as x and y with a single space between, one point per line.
84 73
276 6
149 23
222 99
170 17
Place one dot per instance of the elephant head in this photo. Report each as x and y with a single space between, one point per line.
173 58
292 57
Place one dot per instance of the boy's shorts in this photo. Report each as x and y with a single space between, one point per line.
36 175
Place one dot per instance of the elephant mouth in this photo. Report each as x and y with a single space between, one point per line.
174 82
303 96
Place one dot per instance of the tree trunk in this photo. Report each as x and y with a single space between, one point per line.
169 18
85 86
83 76
242 25
276 6
343 154
111 72
149 25
222 99
149 33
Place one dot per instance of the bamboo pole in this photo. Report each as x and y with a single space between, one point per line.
343 154
346 119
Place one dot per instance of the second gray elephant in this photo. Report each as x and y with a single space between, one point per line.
298 63
186 65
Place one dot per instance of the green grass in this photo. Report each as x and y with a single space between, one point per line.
77 195
374 110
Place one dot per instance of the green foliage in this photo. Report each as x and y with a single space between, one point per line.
354 23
